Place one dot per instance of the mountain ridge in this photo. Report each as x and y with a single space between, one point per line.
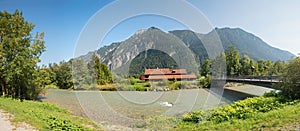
120 53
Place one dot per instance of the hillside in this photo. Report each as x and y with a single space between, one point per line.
245 42
151 59
251 45
182 44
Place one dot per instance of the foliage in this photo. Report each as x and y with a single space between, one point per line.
46 75
239 110
279 67
246 66
233 61
205 68
133 80
291 79
19 55
205 82
286 118
140 87
44 116
218 69
63 75
175 85
77 74
108 87
80 73
99 71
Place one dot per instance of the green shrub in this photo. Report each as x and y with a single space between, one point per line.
175 85
163 83
107 88
134 80
205 82
281 119
193 116
139 87
239 110
52 86
123 87
147 84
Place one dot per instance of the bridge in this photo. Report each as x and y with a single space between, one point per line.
267 81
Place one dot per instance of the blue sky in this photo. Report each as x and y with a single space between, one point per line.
276 21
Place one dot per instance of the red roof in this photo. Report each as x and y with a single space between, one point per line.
165 71
170 77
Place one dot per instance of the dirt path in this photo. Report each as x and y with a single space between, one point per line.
7 125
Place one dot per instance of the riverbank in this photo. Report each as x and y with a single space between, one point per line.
6 123
42 116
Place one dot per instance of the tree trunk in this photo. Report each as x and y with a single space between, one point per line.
19 93
3 88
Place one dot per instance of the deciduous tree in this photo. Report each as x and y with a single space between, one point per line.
20 52
233 61
291 79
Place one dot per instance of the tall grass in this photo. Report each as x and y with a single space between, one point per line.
45 116
247 114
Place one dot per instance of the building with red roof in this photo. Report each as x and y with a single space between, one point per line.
166 73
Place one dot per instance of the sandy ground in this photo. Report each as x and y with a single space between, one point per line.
7 125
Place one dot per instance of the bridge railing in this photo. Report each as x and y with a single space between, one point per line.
255 78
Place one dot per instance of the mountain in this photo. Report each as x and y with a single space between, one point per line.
184 45
243 41
251 45
151 59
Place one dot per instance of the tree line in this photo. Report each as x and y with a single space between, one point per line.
237 66
77 74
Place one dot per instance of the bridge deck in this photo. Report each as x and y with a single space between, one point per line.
268 81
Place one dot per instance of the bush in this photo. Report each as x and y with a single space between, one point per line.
239 110
175 85
107 88
194 117
140 87
52 86
134 80
164 82
291 79
205 82
123 87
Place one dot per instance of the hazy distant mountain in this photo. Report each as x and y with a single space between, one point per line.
245 42
251 45
181 44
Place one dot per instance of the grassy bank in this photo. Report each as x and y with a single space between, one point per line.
259 113
287 118
269 112
45 116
